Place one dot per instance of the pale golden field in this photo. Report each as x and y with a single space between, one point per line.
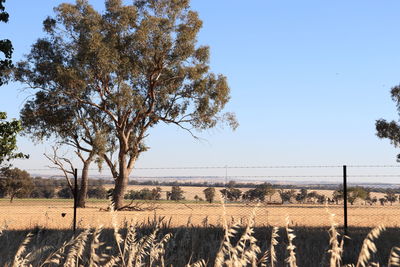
28 213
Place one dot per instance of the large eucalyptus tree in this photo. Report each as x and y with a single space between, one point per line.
132 67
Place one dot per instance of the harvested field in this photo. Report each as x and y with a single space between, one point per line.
58 214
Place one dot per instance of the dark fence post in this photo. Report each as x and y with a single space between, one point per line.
75 198
345 198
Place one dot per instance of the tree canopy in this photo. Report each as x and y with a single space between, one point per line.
15 183
130 69
8 140
6 48
391 130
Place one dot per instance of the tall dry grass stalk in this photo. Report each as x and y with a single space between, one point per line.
336 248
274 242
291 259
19 258
245 252
394 258
369 247
76 250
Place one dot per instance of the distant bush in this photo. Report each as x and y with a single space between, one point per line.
144 194
65 192
98 192
43 192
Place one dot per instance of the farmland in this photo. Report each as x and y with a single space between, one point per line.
57 213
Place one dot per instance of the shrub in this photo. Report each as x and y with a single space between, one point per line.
43 192
65 192
98 192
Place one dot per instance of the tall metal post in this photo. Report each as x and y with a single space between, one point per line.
345 198
75 197
226 180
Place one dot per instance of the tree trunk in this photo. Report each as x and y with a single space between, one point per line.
82 194
121 183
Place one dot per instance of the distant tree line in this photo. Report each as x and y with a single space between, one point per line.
16 183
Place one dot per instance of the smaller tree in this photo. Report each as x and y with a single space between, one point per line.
286 196
382 200
209 194
312 196
390 196
321 199
301 197
371 200
156 193
16 183
266 190
176 193
337 195
354 193
260 192
232 194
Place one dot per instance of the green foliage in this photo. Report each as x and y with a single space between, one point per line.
287 196
8 139
338 194
47 191
231 193
65 192
209 194
98 192
176 193
390 130
390 196
354 193
144 194
302 196
6 49
15 183
259 193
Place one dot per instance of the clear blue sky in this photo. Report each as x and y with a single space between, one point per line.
308 81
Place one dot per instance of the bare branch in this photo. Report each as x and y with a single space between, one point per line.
59 165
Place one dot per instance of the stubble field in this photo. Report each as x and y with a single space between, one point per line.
58 213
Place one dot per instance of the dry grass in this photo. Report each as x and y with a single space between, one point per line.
239 247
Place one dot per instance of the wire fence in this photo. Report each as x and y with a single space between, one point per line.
358 195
